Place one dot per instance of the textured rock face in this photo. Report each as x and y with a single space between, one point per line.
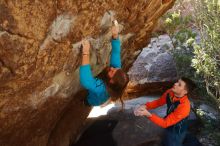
40 98
154 70
154 64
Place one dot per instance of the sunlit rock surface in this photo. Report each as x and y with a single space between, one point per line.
39 59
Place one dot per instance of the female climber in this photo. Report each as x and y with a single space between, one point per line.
111 82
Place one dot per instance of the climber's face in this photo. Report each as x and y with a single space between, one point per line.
111 72
179 88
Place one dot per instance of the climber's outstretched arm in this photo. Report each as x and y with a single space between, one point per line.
115 59
85 52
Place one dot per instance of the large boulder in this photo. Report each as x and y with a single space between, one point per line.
154 70
155 63
40 94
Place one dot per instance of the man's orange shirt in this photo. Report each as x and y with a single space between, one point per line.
181 112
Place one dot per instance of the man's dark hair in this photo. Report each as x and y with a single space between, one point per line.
190 85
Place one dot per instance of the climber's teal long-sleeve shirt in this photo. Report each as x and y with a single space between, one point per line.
98 93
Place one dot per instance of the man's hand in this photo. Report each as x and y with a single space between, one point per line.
86 47
142 111
136 110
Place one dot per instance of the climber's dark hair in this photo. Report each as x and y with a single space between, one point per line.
117 88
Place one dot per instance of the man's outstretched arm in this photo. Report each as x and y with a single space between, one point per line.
157 103
177 115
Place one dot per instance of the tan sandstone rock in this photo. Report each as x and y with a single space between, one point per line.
40 94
